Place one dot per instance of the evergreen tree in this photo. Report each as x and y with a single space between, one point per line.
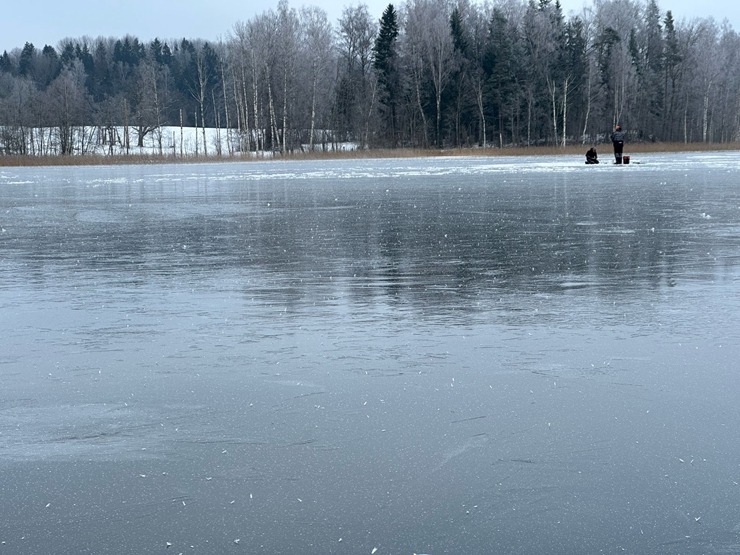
6 64
155 51
99 79
646 54
47 67
166 55
25 63
672 59
460 115
499 65
575 60
605 47
68 54
84 55
385 63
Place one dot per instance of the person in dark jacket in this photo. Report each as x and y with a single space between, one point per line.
618 142
591 156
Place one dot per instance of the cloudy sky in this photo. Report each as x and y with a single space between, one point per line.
48 21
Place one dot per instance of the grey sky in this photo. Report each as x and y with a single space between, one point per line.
48 21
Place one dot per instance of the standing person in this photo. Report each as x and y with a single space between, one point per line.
618 142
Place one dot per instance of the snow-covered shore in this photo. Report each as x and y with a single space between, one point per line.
168 141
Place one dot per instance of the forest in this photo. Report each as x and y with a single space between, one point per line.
424 74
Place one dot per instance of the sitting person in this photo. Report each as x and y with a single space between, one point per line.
591 156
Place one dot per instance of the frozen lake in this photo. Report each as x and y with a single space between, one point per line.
437 355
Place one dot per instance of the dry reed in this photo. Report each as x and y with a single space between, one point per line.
605 148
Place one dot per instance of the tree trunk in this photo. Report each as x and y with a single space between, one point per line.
530 101
554 106
481 114
157 111
285 108
127 144
314 85
588 108
273 121
226 111
203 127
218 123
705 114
438 103
565 108
421 109
370 110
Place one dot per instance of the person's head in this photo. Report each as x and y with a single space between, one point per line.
618 128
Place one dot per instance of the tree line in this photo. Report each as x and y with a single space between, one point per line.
425 74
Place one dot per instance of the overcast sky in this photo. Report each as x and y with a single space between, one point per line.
48 21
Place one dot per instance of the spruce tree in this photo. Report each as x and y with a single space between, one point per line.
385 63
26 60
6 64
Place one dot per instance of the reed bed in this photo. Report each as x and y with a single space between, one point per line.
575 150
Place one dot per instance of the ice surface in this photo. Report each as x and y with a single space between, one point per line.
434 355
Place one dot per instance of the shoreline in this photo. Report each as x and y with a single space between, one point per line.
111 160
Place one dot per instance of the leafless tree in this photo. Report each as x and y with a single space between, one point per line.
317 49
68 105
428 30
356 87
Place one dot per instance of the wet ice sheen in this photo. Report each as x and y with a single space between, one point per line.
438 355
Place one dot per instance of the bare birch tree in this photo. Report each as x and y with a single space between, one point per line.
355 87
319 59
428 28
